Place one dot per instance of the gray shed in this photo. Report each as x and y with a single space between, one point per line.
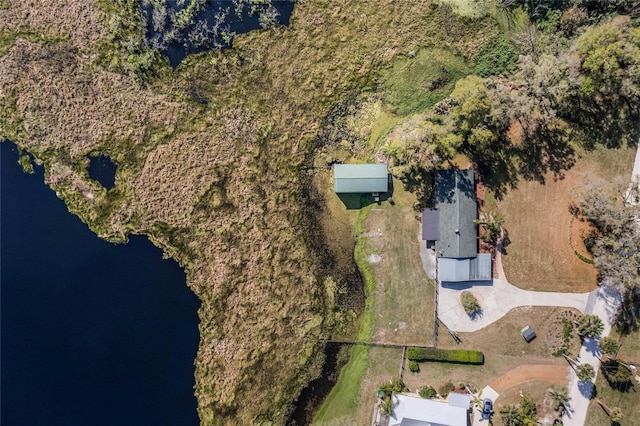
360 178
528 334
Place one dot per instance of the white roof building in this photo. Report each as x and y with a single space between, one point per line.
415 411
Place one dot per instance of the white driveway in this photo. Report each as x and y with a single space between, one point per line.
496 298
605 307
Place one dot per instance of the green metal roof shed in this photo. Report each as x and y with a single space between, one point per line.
360 178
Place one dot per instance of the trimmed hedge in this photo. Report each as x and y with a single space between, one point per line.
460 356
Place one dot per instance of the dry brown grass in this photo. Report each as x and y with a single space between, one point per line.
539 256
503 347
79 19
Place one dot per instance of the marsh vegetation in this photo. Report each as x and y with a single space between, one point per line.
223 161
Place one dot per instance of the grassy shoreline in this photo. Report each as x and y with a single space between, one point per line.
342 400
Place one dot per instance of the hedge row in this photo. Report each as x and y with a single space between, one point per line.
460 356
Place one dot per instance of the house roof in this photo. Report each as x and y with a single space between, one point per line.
469 269
462 400
456 202
415 411
430 224
360 178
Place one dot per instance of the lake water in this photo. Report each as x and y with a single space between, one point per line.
102 169
93 333
204 32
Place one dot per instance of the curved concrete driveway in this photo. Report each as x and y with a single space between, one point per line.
498 297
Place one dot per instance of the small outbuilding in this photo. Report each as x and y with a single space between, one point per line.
360 178
528 333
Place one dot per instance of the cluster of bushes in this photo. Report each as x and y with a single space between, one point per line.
427 392
461 356
497 57
446 389
469 302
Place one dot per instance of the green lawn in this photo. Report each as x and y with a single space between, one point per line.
415 84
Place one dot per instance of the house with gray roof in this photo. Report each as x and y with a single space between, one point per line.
451 227
360 178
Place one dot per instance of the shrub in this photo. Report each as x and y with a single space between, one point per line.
618 376
590 325
446 389
496 57
469 302
608 345
461 356
528 408
414 367
427 392
585 372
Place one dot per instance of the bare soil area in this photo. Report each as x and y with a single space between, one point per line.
556 374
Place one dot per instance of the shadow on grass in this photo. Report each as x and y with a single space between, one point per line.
356 201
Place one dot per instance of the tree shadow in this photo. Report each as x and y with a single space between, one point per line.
591 345
421 182
586 388
477 314
550 152
356 201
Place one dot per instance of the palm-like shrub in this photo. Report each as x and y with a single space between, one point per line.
590 326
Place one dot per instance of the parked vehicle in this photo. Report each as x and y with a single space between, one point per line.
487 408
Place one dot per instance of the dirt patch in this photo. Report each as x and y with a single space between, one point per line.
374 258
556 374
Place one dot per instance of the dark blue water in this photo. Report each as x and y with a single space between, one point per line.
93 333
102 169
205 32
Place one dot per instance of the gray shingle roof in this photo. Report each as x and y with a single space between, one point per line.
430 224
360 178
456 202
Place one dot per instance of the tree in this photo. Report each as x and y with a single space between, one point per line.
511 416
492 222
610 88
618 375
427 392
560 396
615 415
590 326
528 408
585 372
446 389
608 345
